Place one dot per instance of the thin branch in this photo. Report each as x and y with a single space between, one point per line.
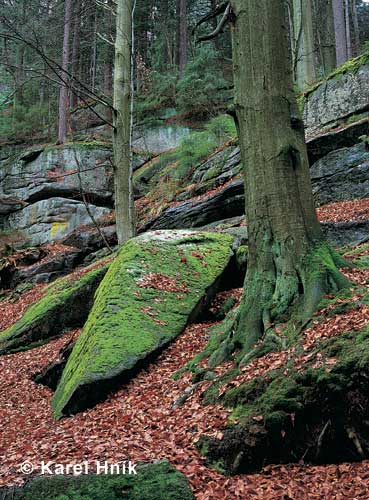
211 15
219 28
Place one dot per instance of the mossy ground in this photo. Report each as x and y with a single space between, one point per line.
65 305
149 294
153 482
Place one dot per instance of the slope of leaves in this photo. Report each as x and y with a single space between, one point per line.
139 423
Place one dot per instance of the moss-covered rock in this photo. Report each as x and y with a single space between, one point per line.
65 305
158 283
159 481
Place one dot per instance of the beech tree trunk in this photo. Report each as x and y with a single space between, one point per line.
340 31
63 96
124 207
304 43
290 266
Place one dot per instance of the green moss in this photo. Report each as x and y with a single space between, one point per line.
128 322
158 481
65 305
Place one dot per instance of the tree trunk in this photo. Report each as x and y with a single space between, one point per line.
63 96
124 208
348 29
340 31
94 49
325 26
76 49
304 43
183 37
355 22
290 266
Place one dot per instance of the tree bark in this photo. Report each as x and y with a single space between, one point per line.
63 96
304 44
76 49
348 29
340 31
290 266
124 208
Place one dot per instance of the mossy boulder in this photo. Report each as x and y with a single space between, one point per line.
156 481
158 283
65 305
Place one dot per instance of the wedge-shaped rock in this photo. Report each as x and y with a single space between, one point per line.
156 285
66 305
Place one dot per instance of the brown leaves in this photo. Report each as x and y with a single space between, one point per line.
12 311
159 281
344 211
139 423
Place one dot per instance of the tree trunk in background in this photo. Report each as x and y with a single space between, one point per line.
355 22
289 262
183 37
348 29
340 31
94 49
178 21
63 96
304 44
122 122
164 13
325 27
75 49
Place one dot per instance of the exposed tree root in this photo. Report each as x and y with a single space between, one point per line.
281 295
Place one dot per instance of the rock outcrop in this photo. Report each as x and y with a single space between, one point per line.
52 219
158 283
341 175
340 96
60 171
41 190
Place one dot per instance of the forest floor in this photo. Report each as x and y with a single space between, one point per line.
139 423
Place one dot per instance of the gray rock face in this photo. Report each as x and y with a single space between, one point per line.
51 219
40 174
158 139
337 98
40 190
346 233
341 175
